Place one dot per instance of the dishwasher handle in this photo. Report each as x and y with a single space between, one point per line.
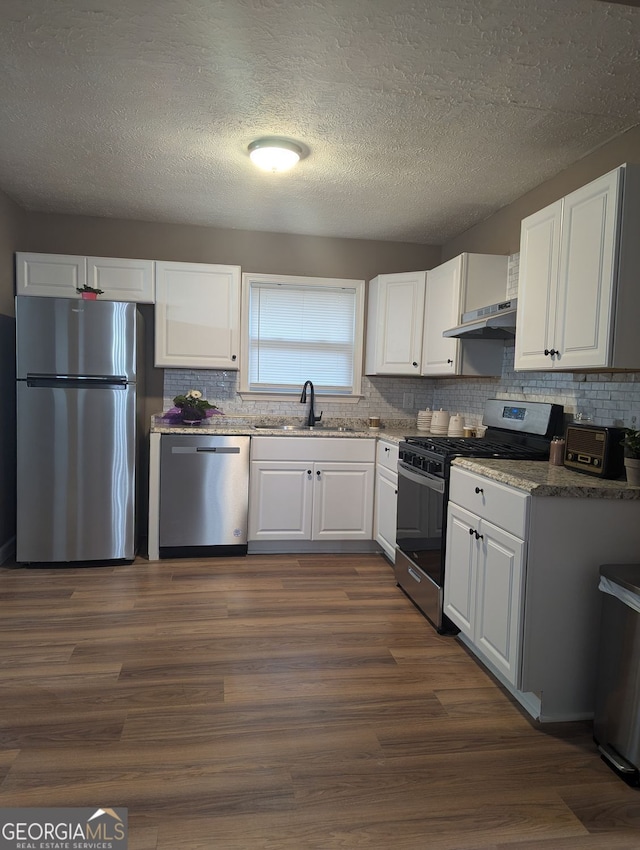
219 450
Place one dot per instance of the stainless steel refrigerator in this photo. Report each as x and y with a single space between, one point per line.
77 400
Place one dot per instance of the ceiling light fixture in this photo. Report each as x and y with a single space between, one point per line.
273 154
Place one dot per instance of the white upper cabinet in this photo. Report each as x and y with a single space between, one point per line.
442 311
578 299
122 280
464 283
394 324
538 287
54 275
60 276
197 316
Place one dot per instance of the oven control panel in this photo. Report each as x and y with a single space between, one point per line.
422 462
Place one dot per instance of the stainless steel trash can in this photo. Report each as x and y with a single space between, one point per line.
616 728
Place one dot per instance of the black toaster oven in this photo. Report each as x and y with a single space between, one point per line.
594 449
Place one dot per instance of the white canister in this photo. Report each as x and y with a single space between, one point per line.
456 425
440 421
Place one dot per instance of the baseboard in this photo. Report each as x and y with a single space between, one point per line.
281 547
8 550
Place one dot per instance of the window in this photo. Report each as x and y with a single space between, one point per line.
299 329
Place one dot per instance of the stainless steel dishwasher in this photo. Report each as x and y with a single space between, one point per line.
204 495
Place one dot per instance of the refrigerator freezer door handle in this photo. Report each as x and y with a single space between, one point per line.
77 381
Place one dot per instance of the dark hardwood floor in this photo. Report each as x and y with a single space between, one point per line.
280 703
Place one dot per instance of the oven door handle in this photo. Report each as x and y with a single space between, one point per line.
424 478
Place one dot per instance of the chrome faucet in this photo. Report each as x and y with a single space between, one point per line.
312 418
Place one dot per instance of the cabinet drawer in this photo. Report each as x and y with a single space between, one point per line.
387 455
311 449
501 505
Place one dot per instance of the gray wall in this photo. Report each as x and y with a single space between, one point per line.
609 398
500 234
284 254
269 253
11 223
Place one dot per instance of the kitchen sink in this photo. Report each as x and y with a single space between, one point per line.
279 427
301 428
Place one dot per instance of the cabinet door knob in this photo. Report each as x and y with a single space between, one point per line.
471 532
318 473
308 472
479 490
414 363
387 449
449 361
478 536
550 352
234 357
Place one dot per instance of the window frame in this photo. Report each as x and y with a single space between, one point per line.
298 282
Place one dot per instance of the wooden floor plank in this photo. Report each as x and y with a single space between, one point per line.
280 703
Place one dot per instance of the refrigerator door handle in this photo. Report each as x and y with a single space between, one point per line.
76 381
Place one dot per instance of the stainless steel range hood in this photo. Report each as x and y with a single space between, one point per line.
497 321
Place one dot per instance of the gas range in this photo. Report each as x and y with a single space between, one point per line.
516 430
434 454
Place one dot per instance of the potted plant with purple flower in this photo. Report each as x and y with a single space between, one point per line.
193 407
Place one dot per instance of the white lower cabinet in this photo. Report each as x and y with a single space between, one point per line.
280 500
521 582
308 488
386 511
483 590
386 502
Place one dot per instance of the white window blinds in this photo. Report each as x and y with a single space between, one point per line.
299 333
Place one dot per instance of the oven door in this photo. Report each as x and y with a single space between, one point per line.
420 536
420 519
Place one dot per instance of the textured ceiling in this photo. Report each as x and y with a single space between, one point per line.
422 118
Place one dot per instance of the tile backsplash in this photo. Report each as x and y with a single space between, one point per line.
608 398
381 396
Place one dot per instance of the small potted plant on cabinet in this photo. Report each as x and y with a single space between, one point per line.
89 293
631 444
193 407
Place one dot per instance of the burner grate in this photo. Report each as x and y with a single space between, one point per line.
449 447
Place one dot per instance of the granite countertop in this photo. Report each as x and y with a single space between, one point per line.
536 477
395 431
542 479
